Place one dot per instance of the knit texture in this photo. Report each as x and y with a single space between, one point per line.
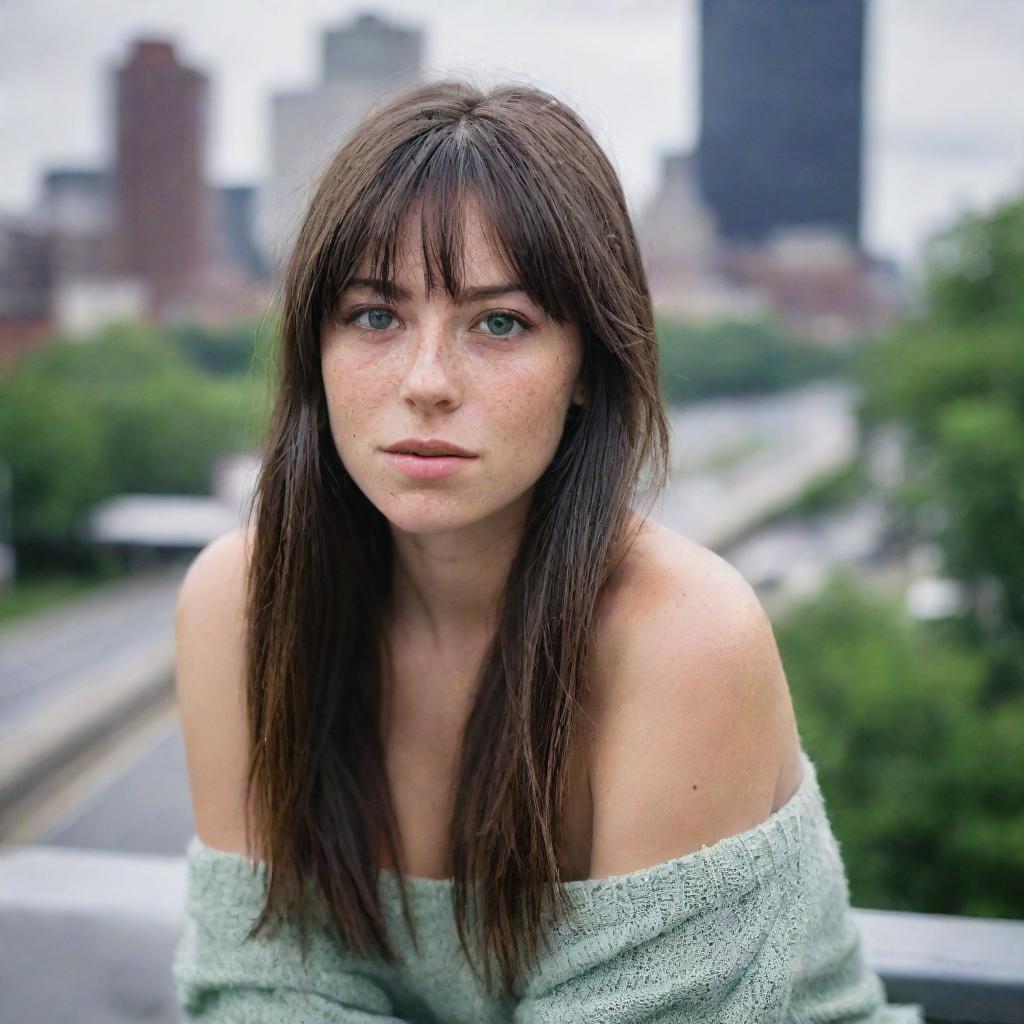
755 927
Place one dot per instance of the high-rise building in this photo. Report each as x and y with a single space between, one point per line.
231 240
75 208
76 200
160 195
781 115
361 61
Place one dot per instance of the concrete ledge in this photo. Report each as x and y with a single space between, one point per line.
88 937
958 968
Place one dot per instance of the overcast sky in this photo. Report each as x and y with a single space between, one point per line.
944 85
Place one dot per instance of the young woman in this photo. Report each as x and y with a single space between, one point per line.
469 737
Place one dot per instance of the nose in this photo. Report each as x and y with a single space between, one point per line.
431 377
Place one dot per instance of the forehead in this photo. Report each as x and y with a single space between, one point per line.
483 257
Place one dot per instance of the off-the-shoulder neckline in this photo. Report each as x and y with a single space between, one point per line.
764 838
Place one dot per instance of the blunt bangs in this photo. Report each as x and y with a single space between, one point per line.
439 173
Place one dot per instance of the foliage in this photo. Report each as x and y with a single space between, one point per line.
244 348
975 268
736 357
919 728
913 374
81 420
955 381
921 775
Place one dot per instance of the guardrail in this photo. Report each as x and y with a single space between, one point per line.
87 938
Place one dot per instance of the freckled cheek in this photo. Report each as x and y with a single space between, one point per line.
355 390
528 409
355 396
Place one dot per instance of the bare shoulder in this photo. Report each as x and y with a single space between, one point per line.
695 737
210 683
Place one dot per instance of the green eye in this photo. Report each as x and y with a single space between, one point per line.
502 324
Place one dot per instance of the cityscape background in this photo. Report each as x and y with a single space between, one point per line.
941 130
829 198
914 140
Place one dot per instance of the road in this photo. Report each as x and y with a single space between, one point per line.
132 798
65 649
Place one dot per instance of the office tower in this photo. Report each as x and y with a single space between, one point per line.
231 238
159 190
781 115
361 62
75 208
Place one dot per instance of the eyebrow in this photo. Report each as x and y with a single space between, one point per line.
469 295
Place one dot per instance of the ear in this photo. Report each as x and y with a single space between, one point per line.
579 396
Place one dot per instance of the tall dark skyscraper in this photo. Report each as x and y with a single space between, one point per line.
781 114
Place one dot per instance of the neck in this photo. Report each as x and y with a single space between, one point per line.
446 585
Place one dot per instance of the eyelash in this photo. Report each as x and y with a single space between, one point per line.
526 325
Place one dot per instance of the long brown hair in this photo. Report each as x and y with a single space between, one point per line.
319 582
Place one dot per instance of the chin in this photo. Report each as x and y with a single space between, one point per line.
426 513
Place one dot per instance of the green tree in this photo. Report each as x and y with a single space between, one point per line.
975 268
54 448
84 419
233 350
736 357
921 776
929 716
954 379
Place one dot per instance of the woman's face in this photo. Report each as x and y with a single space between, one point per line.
493 376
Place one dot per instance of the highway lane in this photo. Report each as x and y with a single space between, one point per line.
70 646
134 799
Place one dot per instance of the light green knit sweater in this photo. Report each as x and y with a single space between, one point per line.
753 928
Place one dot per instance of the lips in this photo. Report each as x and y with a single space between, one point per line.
426 455
428 447
427 467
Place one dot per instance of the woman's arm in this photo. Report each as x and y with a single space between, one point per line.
756 927
642 958
222 981
717 893
695 735
692 730
222 978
